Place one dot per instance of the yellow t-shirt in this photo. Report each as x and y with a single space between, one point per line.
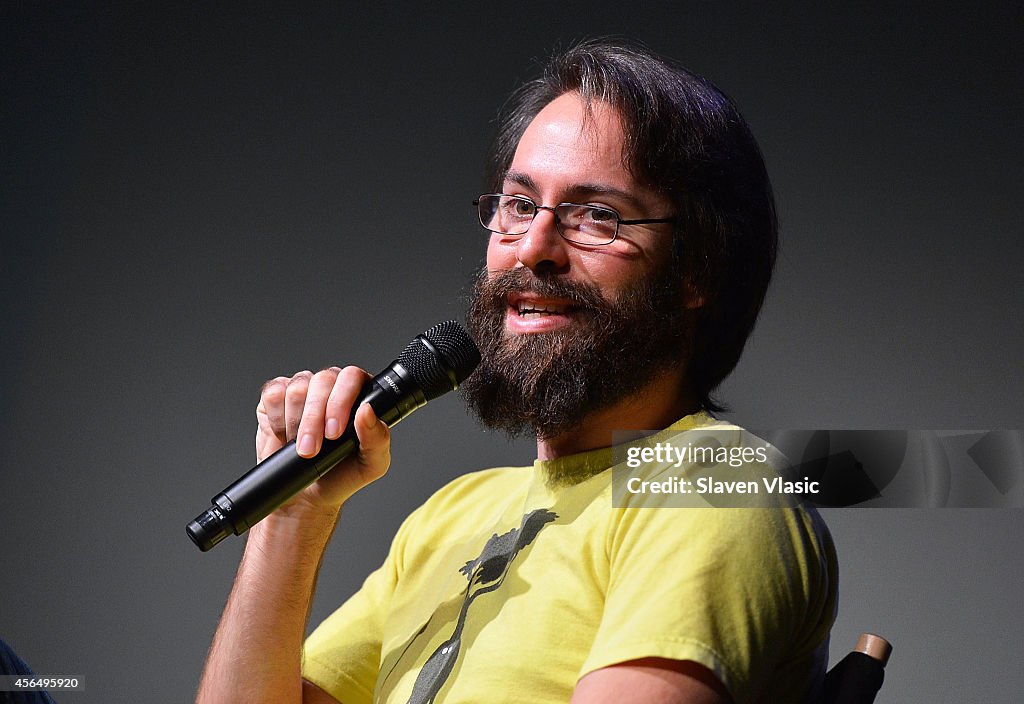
510 584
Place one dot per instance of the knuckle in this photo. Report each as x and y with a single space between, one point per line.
312 413
324 378
273 390
353 372
334 400
351 378
297 387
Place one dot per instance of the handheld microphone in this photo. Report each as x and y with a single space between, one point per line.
433 364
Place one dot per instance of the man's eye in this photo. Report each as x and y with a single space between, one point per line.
522 207
602 215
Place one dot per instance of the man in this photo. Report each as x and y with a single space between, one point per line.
633 237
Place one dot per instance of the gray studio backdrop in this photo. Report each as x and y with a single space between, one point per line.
196 200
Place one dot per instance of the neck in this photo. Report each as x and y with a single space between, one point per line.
664 400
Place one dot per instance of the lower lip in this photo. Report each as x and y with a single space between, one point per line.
517 324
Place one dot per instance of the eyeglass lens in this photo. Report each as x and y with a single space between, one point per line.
513 215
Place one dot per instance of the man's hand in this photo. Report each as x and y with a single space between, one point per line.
256 653
309 407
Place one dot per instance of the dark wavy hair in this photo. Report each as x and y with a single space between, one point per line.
688 140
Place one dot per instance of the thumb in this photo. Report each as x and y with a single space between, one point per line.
374 439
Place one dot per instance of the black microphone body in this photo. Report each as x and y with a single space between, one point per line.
432 364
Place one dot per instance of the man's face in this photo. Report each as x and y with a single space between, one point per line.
564 156
567 329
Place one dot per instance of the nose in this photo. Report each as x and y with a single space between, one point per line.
542 247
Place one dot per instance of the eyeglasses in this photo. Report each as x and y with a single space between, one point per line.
591 225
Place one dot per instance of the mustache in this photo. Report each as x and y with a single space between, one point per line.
495 287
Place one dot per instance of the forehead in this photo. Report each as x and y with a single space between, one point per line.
570 144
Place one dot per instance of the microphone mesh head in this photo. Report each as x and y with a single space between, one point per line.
438 372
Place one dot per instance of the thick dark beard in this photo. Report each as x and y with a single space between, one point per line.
547 383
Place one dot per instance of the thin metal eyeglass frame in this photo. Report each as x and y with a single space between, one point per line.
558 223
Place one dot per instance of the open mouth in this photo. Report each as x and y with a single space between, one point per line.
528 305
528 314
539 310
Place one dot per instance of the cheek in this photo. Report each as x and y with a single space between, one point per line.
500 255
609 267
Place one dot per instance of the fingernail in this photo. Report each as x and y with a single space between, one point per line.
332 428
307 445
372 419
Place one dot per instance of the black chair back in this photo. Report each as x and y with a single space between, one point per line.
857 678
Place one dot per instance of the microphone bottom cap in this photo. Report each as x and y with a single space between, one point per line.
208 529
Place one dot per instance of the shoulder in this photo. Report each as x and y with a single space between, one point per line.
721 507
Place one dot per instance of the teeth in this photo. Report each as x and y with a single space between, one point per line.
531 309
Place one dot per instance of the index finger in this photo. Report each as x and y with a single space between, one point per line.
347 388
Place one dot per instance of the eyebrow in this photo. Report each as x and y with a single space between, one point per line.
579 190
